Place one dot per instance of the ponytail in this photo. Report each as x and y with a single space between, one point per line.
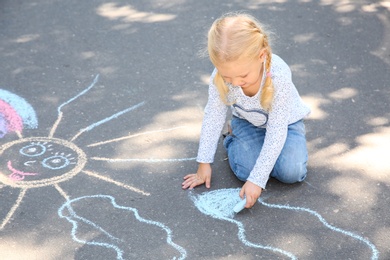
222 88
267 92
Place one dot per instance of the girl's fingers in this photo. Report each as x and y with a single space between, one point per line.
249 202
242 193
194 183
186 184
191 181
208 181
188 176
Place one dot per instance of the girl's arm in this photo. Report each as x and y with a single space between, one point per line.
277 128
213 121
277 125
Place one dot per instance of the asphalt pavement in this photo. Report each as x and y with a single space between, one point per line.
101 104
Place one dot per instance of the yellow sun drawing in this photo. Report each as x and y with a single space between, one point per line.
35 162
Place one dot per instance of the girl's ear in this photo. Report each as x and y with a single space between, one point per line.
262 55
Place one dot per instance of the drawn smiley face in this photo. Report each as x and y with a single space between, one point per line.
39 161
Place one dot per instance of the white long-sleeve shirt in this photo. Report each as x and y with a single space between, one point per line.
287 108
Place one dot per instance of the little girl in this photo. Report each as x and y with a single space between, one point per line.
267 133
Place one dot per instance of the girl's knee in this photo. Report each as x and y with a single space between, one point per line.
294 174
241 172
242 156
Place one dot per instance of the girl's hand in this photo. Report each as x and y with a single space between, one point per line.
203 175
252 192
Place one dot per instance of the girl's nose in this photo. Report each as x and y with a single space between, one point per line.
236 82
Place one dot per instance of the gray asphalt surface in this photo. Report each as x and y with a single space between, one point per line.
124 201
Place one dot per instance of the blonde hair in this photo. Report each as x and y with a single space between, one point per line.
234 36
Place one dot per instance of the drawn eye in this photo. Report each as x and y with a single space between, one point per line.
33 150
55 162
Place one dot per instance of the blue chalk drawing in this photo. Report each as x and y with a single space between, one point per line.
95 80
92 126
375 252
22 107
74 219
59 109
220 203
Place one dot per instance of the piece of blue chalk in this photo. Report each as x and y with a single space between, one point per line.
239 206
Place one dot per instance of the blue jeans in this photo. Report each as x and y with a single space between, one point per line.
244 145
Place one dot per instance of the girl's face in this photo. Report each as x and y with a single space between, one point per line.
244 72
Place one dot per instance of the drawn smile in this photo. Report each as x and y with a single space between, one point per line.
17 175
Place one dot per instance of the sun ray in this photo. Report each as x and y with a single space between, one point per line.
52 131
104 178
13 209
131 136
19 134
151 160
61 191
106 120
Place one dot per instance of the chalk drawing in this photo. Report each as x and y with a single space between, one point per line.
34 162
3 125
134 135
114 242
143 160
15 114
37 155
11 121
18 175
106 120
375 252
220 203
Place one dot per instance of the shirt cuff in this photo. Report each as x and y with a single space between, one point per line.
261 182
